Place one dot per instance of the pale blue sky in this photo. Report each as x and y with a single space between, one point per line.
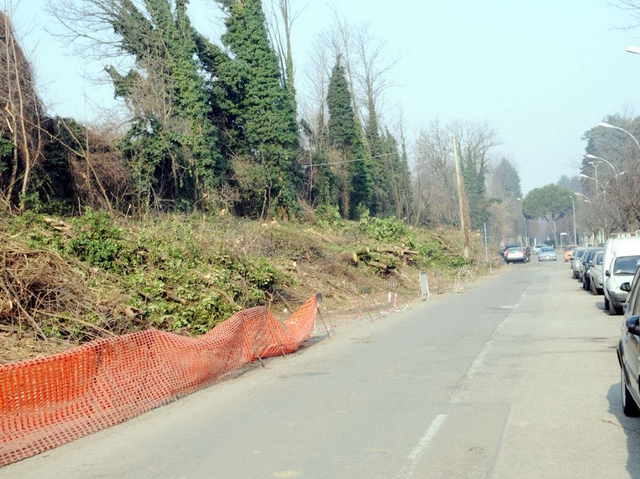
540 72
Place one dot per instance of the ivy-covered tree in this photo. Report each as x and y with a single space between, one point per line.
474 173
382 199
551 202
344 135
257 110
398 197
172 143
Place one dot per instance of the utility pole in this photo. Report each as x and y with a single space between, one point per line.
462 200
575 234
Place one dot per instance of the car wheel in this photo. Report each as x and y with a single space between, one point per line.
613 311
629 406
606 303
594 290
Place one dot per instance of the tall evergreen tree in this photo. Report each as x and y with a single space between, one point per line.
506 180
258 111
382 164
345 136
398 199
474 173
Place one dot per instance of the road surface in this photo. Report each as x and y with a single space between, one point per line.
515 378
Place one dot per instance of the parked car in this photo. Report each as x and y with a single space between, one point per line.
596 275
587 262
515 255
619 265
547 254
536 248
508 247
628 348
575 262
622 271
567 251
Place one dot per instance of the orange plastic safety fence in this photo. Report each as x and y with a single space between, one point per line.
47 402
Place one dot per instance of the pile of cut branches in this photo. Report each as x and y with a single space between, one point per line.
42 294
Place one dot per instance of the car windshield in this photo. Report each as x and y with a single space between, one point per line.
579 252
546 250
626 265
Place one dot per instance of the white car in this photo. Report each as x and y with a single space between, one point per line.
536 249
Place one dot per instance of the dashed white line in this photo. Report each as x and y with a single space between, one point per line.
457 395
417 452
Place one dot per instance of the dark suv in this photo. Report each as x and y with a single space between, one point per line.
509 246
629 349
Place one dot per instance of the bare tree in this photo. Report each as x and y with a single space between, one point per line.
435 184
281 17
21 112
435 168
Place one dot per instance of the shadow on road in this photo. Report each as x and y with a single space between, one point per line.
631 427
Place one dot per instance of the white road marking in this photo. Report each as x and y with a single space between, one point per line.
457 395
407 471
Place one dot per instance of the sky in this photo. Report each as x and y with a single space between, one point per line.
541 72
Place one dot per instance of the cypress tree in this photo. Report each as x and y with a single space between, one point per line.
259 113
344 135
474 182
382 199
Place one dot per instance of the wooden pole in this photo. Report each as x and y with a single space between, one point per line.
462 200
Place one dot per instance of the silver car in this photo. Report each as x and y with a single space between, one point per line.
596 274
547 254
576 262
515 255
622 271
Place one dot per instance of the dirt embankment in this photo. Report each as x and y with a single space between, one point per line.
66 282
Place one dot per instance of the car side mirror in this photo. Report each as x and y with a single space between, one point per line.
626 286
632 325
607 273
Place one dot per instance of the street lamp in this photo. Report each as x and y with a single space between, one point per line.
607 125
594 157
582 175
586 198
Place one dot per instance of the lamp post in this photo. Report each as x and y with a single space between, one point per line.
586 200
598 184
607 125
594 157
595 167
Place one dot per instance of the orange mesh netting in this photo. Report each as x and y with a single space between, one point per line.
47 402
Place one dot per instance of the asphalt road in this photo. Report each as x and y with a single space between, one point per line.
515 378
